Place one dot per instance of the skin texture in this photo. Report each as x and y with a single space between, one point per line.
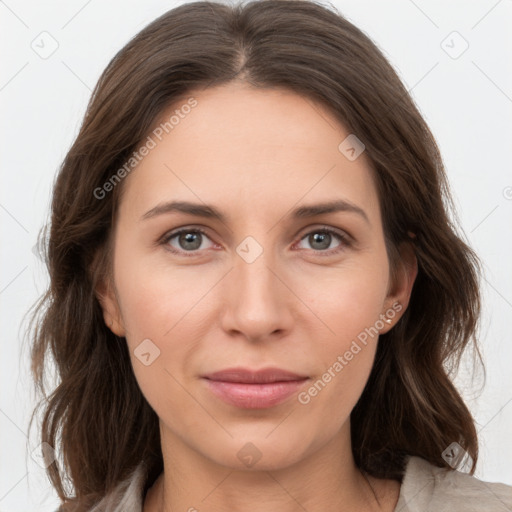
255 155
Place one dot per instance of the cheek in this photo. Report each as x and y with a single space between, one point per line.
348 299
156 297
349 304
164 312
155 312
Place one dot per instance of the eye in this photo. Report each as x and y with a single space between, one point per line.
188 240
320 240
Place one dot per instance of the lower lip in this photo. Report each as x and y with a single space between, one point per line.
254 396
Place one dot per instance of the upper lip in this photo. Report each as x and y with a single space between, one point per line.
248 376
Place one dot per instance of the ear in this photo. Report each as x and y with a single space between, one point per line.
402 281
107 298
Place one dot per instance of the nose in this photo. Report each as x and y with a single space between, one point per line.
257 302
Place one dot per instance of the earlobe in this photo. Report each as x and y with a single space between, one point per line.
110 307
400 291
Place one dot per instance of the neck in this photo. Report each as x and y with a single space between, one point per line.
324 479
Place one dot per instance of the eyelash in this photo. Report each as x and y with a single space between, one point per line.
343 239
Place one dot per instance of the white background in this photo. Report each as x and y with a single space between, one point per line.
467 102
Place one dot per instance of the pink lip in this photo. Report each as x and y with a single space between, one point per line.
250 389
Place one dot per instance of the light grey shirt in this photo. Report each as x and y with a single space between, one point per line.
425 488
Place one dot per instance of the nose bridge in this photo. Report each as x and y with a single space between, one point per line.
256 304
253 274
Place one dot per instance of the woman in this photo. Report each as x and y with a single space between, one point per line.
256 291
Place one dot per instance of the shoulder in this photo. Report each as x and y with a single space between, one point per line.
426 488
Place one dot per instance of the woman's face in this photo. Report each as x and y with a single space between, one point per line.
265 286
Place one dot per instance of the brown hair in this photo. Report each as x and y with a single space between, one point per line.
96 416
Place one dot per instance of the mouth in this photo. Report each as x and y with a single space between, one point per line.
249 389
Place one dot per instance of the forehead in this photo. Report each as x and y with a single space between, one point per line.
253 149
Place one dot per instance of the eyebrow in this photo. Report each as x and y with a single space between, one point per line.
211 212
